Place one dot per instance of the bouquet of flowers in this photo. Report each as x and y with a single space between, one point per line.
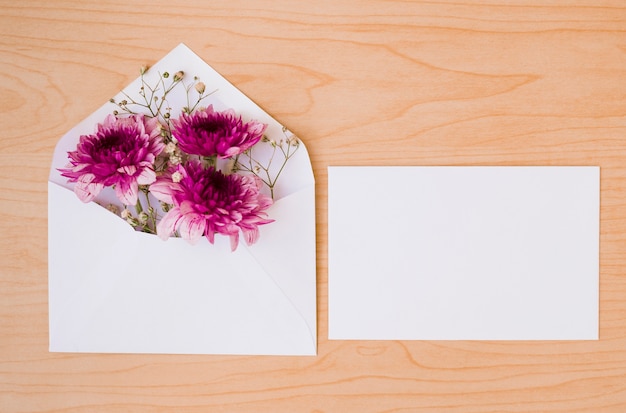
187 171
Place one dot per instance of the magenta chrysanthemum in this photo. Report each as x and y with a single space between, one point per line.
207 202
121 152
209 133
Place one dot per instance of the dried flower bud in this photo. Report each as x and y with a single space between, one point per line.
177 177
179 75
143 69
143 218
293 140
175 159
165 206
170 148
200 87
113 208
132 221
166 75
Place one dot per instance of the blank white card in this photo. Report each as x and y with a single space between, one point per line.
463 253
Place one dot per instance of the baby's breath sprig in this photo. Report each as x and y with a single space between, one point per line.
200 88
144 219
287 147
152 101
152 98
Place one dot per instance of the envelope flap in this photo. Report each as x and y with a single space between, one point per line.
287 253
71 266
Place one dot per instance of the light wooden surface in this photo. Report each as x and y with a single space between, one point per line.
476 82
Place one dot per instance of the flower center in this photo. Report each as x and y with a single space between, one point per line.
115 142
213 124
109 141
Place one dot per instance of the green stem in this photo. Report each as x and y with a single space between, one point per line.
138 207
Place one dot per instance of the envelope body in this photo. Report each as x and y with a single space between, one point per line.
112 289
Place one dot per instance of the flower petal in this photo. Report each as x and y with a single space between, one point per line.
166 226
191 227
234 241
146 177
129 170
163 190
127 191
251 235
86 189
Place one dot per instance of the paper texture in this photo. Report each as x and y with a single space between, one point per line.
112 289
463 253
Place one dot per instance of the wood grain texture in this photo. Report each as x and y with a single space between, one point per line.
480 82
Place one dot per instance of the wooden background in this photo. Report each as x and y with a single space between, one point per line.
443 82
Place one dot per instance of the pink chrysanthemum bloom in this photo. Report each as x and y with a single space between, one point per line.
207 202
121 152
206 132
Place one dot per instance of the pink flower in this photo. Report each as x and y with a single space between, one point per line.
207 202
121 152
209 133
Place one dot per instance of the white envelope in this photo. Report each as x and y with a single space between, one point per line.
112 289
463 253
